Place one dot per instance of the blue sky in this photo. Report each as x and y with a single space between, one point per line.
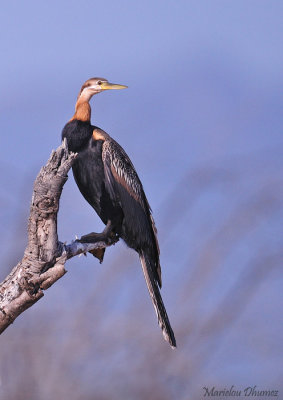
202 122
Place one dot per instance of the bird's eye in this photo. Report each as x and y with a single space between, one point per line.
99 82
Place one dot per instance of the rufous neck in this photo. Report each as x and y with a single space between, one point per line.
82 110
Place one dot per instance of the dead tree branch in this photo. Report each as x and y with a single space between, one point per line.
45 256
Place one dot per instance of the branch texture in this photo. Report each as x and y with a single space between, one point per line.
45 256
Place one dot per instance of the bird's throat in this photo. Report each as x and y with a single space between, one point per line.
82 111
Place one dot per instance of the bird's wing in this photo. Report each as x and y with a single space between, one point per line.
125 187
119 169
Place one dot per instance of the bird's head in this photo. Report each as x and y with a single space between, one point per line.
96 85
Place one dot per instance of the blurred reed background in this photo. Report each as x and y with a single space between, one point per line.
202 123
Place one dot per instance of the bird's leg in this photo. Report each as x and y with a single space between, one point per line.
108 230
107 235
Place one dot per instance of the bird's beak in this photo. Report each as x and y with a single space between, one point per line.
107 86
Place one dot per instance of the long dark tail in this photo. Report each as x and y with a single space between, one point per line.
156 298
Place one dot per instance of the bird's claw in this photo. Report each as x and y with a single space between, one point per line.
107 236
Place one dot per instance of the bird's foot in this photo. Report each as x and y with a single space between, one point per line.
93 237
107 236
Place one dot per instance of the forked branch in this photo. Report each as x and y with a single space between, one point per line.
45 256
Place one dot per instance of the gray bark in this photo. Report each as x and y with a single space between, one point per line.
45 256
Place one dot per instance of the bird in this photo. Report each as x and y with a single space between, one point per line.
107 179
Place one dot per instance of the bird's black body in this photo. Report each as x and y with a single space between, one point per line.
78 133
107 179
88 169
128 211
